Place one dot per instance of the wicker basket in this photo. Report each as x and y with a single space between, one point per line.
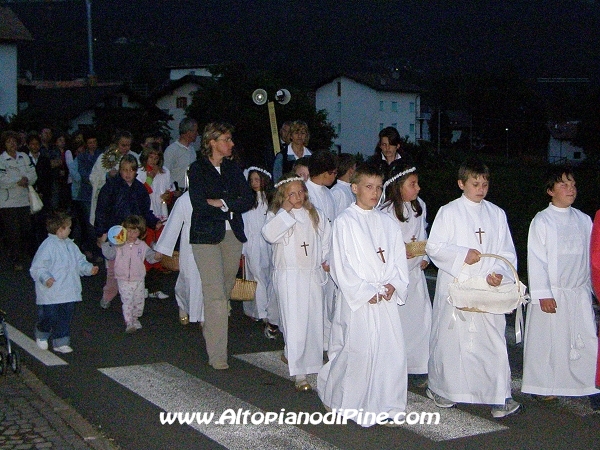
476 295
171 262
416 248
243 290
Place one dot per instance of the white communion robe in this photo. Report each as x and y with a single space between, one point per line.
322 199
258 265
416 313
188 287
160 184
298 279
367 361
342 196
468 359
560 350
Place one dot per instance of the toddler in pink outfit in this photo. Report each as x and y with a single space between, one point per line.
130 271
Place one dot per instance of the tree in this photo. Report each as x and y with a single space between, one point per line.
229 98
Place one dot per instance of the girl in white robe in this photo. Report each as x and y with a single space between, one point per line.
188 288
559 356
300 235
257 253
404 206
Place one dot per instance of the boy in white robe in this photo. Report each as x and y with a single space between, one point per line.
341 190
367 363
560 335
468 359
188 287
322 167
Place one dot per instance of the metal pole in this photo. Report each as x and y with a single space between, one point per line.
439 116
88 6
507 143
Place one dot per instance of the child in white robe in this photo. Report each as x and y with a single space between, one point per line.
366 370
322 166
188 287
257 255
300 235
402 203
468 359
560 350
341 190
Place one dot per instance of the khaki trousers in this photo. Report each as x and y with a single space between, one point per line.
218 265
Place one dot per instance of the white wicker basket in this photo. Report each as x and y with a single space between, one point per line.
476 295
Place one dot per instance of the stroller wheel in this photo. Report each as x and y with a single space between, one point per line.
14 362
3 361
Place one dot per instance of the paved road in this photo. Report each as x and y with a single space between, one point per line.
120 383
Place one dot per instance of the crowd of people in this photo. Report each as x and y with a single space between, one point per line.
332 246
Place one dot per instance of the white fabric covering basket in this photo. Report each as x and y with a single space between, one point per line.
476 295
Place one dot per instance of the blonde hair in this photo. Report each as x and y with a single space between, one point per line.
279 197
299 125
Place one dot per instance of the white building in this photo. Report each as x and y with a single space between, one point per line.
176 95
12 31
560 147
361 105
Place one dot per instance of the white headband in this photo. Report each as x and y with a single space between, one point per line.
288 180
258 169
391 180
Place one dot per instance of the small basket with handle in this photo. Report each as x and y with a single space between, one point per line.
243 289
476 295
416 248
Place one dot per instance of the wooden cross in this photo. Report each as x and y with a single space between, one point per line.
381 254
480 232
305 245
413 239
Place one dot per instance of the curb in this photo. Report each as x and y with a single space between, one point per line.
72 418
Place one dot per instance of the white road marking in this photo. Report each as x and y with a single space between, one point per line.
453 424
26 343
174 390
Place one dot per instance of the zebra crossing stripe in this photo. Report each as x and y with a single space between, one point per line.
27 344
173 390
453 424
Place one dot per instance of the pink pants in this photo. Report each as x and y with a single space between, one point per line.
110 289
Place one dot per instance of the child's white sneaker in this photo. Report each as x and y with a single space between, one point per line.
509 407
42 343
137 325
440 402
159 295
63 349
104 304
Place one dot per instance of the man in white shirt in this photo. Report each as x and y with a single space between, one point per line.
180 154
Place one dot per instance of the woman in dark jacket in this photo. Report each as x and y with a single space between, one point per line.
219 194
388 150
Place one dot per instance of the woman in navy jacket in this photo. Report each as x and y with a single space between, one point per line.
219 194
